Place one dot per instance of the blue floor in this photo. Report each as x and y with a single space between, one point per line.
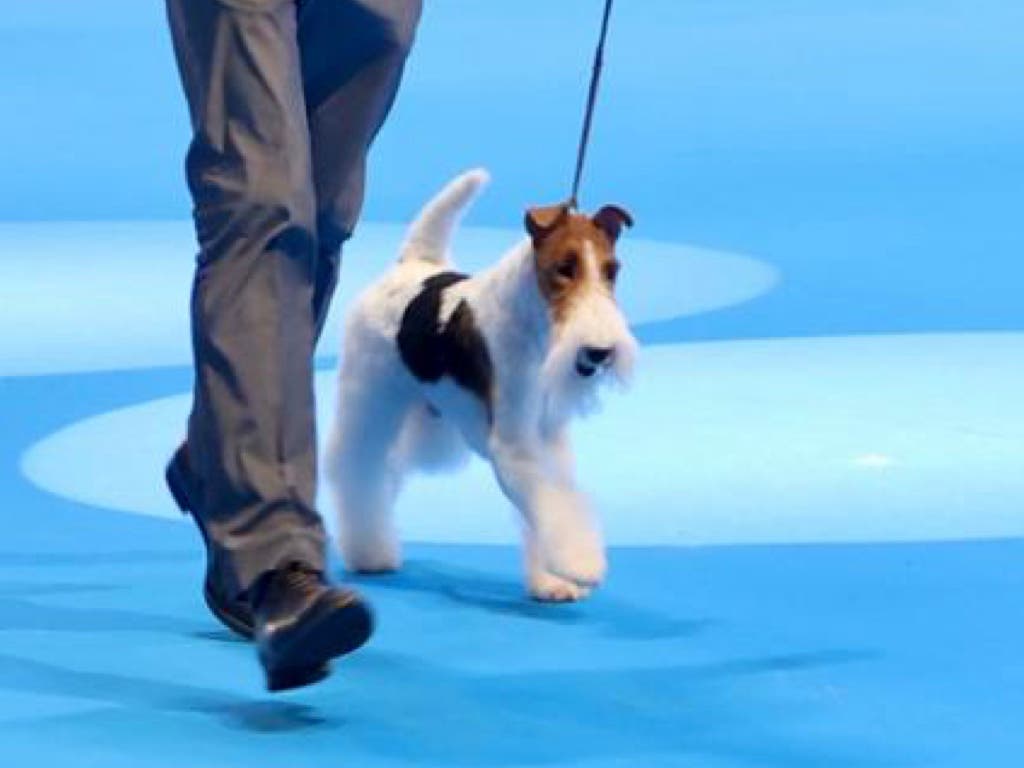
813 493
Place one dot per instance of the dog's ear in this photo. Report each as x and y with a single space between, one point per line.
542 221
610 220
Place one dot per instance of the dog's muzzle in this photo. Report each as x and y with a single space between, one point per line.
590 360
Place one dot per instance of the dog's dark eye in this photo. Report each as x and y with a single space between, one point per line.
568 267
611 271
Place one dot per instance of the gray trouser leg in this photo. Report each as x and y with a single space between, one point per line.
265 272
353 53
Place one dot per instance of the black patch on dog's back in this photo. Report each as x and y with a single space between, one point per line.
420 337
457 349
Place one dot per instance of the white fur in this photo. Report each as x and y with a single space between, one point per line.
388 423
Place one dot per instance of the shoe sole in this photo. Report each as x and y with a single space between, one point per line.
176 484
225 617
290 679
306 661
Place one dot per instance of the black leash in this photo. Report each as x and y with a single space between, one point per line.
595 79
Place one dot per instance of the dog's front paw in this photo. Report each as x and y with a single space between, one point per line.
548 588
379 553
579 560
568 538
588 572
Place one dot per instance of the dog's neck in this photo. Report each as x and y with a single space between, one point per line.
511 289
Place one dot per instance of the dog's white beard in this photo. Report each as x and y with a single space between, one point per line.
593 322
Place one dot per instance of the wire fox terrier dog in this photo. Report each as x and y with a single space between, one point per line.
436 363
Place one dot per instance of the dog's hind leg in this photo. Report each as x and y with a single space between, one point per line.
364 476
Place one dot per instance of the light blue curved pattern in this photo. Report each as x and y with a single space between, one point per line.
896 438
114 295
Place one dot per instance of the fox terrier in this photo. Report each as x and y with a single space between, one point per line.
436 364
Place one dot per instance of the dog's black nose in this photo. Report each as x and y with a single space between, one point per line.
597 355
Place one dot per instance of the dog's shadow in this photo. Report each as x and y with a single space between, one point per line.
468 587
482 590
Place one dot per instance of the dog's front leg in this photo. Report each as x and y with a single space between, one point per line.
568 534
541 583
562 537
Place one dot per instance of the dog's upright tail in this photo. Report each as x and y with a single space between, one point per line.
429 236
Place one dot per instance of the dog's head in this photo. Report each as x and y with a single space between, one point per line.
577 269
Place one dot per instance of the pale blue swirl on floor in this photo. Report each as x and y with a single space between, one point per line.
114 295
888 438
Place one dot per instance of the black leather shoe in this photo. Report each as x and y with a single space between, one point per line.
301 624
233 614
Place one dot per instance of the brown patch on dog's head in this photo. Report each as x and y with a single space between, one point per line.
574 253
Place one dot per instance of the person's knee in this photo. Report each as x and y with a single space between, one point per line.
336 224
279 197
256 205
398 21
254 6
